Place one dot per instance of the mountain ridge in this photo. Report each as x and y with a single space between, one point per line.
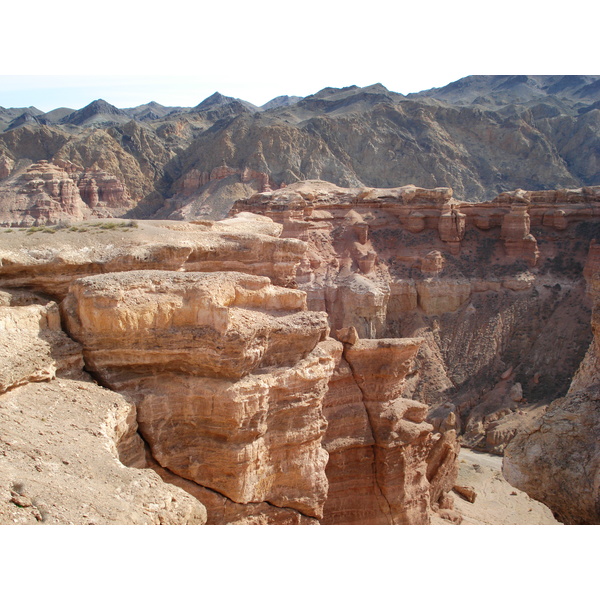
481 136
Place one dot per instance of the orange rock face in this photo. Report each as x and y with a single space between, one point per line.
229 374
59 192
384 463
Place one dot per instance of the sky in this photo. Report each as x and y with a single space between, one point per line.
178 53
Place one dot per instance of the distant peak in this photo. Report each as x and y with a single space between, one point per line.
101 105
97 107
217 99
376 87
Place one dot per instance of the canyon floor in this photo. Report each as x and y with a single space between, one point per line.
497 502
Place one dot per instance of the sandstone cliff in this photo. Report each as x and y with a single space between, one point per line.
225 374
317 362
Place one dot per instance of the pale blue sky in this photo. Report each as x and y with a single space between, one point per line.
178 53
52 91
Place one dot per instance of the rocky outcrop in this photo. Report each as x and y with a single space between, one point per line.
43 194
60 193
6 166
63 439
228 373
385 465
100 190
557 459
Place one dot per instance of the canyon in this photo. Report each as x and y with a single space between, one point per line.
317 357
251 315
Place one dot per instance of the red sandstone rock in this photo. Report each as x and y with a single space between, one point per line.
515 233
60 192
237 406
384 465
6 166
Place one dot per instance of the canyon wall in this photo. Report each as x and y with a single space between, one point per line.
556 459
315 358
227 373
495 290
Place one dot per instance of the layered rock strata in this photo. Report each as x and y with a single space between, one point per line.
228 373
60 193
50 259
63 439
385 465
492 288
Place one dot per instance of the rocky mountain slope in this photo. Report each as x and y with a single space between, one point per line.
481 135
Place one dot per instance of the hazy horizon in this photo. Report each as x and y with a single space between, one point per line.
181 54
48 92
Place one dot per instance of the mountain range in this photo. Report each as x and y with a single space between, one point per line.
481 135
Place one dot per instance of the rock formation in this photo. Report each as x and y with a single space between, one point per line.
495 289
227 374
324 377
60 193
385 466
51 258
556 459
62 438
